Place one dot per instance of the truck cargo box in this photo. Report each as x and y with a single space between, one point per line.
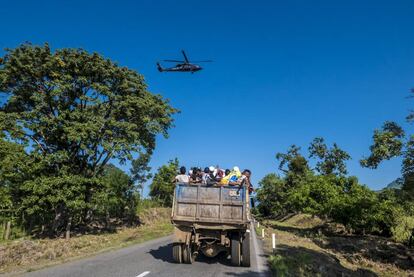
199 203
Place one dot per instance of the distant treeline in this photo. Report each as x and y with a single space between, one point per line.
327 191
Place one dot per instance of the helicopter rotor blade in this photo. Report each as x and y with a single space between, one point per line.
185 57
206 61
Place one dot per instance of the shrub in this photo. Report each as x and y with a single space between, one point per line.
401 232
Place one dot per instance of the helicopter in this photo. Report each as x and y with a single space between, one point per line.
182 66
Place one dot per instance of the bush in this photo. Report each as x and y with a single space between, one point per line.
402 231
271 196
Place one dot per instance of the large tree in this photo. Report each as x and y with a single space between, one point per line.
74 112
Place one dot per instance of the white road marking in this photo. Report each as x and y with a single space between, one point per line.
143 274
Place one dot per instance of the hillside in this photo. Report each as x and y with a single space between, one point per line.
309 246
396 184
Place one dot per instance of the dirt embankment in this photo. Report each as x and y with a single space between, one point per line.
28 254
308 246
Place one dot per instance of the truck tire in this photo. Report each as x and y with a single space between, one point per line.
235 251
177 253
246 250
188 257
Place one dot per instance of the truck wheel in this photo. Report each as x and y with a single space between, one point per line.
187 254
246 250
177 253
235 251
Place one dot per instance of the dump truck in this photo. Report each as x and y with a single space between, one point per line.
210 220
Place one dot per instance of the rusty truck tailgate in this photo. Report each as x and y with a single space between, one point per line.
214 204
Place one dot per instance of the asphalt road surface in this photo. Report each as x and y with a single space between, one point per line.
154 258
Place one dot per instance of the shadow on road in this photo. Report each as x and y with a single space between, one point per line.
164 253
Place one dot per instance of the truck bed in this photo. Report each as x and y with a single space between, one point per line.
197 204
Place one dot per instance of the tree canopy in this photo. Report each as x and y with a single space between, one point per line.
330 160
72 112
388 143
162 186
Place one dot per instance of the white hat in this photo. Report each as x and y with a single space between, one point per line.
211 168
236 168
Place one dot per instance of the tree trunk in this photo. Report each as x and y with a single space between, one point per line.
107 219
58 221
87 214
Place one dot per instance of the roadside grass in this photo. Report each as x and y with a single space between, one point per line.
308 246
32 254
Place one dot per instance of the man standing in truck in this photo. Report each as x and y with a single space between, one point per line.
182 177
244 180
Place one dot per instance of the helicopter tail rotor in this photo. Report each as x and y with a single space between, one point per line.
159 67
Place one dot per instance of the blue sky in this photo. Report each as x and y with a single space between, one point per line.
284 72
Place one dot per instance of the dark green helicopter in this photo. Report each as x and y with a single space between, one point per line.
182 66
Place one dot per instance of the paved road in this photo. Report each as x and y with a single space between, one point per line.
153 258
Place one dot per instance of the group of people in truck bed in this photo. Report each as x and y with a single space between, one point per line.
215 176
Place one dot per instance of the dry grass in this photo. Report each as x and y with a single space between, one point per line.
27 254
307 246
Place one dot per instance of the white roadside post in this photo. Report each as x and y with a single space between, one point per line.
258 224
273 243
262 232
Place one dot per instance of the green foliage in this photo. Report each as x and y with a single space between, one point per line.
140 170
317 196
146 204
294 165
402 231
408 169
331 160
354 210
285 266
272 196
388 143
162 186
13 165
331 194
292 161
118 198
68 113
